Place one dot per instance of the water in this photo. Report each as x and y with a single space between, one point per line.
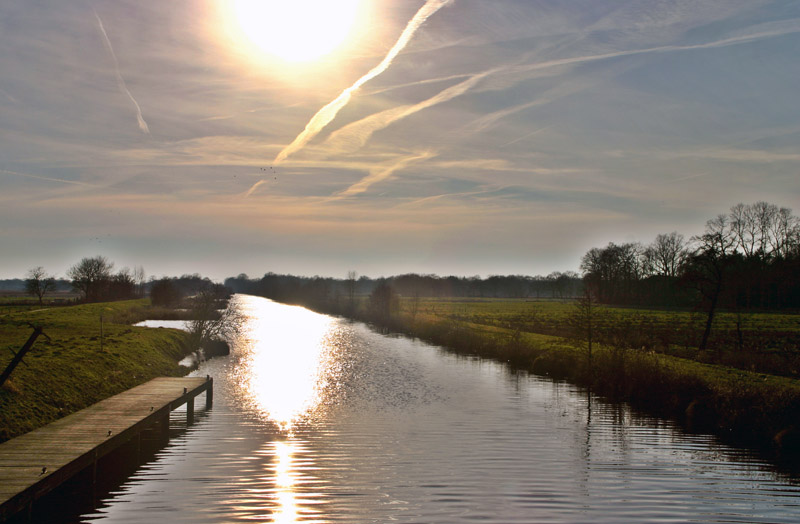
317 419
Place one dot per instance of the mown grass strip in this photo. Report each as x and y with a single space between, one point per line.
77 367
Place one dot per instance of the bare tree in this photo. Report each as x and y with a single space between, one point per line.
707 268
764 230
583 321
785 233
414 305
665 255
164 292
613 270
383 301
719 237
39 283
139 280
744 229
89 275
213 320
351 289
121 286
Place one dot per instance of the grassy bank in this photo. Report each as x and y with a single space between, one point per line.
755 341
636 362
77 367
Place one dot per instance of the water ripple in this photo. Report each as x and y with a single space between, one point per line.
393 430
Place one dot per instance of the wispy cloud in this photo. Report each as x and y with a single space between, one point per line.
355 135
254 187
325 115
121 81
46 178
523 137
755 33
9 97
381 173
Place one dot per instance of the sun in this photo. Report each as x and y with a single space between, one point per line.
296 30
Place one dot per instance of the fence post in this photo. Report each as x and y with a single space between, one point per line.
18 356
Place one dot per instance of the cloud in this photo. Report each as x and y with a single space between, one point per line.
46 178
254 187
764 31
381 173
325 115
121 81
355 135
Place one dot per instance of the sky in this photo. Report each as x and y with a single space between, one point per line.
456 137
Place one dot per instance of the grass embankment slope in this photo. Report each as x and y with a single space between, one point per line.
70 371
646 357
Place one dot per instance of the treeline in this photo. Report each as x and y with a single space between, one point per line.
95 280
171 291
18 285
746 259
327 290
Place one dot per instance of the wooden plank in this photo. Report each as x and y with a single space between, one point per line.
74 442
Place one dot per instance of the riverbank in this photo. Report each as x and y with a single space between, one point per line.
757 410
92 353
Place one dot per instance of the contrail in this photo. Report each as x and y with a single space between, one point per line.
254 187
355 135
523 137
324 116
120 80
382 173
49 179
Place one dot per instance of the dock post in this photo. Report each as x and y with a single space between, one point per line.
164 422
190 411
82 464
94 477
209 392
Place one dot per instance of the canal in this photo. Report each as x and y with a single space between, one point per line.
319 419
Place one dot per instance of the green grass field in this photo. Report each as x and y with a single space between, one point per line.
15 302
76 367
769 342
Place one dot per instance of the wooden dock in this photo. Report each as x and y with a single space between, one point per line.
34 464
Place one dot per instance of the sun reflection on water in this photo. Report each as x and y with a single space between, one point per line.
284 364
286 361
284 482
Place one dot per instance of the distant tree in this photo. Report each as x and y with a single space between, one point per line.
708 267
90 276
39 283
762 230
666 254
383 301
413 308
211 319
785 234
613 271
165 293
121 286
350 284
583 320
139 280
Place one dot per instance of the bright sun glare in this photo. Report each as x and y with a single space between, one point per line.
296 30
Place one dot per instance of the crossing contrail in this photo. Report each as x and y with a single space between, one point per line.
324 116
120 80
